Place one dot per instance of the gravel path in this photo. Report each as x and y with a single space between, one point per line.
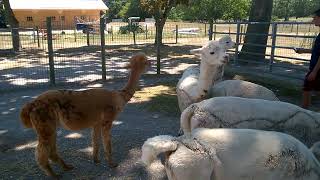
131 129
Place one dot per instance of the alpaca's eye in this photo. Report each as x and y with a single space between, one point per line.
211 52
227 42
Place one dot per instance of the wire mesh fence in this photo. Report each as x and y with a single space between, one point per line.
76 49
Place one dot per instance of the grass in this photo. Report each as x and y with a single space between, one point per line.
160 98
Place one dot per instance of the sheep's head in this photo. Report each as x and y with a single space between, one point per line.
138 62
227 42
315 149
212 53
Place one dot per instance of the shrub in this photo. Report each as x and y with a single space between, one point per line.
133 28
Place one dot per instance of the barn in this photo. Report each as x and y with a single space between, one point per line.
64 13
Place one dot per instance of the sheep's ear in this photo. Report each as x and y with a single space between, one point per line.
196 51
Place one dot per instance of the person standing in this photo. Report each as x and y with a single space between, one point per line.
312 79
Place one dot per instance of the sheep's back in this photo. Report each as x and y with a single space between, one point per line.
236 112
241 88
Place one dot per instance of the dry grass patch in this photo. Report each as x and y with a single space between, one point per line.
160 98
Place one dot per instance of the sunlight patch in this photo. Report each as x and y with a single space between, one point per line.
3 131
24 81
117 122
26 146
87 150
74 136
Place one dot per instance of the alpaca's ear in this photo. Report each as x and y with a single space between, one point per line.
196 51
127 66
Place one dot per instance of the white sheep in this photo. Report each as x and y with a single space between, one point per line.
198 83
233 154
237 112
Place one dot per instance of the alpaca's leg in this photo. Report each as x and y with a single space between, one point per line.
96 134
106 135
45 129
42 156
54 156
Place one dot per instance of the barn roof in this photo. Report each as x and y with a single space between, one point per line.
57 4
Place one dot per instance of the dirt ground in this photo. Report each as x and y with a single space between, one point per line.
130 130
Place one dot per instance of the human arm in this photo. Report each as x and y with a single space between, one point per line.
302 50
312 76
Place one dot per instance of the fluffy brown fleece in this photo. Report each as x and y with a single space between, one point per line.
75 110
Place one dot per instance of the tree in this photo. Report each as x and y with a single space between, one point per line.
14 25
283 9
237 10
257 34
160 10
133 8
115 7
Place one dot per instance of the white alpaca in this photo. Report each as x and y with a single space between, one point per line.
197 83
233 154
236 112
194 85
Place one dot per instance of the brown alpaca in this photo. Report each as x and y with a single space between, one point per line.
75 110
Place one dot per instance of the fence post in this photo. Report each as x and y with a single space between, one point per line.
214 32
34 35
273 46
158 51
50 52
237 43
75 34
177 34
38 37
205 29
111 33
146 31
103 48
88 39
241 31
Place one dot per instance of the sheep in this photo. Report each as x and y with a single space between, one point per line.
232 154
237 112
74 110
197 84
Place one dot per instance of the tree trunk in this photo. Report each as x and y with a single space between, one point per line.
257 34
159 31
14 25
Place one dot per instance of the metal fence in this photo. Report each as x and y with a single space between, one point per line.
56 53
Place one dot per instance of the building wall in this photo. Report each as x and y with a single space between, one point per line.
60 18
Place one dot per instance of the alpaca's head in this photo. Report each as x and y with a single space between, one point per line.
139 63
212 53
227 42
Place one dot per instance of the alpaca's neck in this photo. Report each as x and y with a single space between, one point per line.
206 76
129 89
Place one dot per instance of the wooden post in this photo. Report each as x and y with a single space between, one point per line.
103 48
75 34
158 51
88 37
214 32
111 33
146 31
38 37
273 47
205 29
177 33
50 52
237 43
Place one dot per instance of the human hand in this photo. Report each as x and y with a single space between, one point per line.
312 76
298 50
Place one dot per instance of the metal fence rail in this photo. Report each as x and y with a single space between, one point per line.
56 53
